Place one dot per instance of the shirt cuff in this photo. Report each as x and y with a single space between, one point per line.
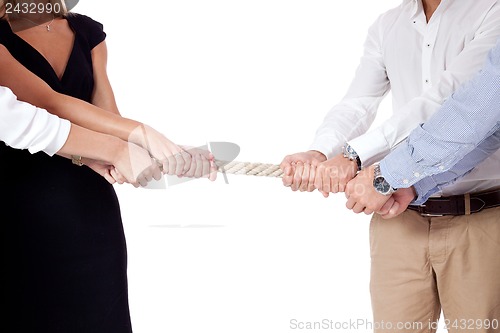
371 147
425 188
54 136
400 169
326 146
60 139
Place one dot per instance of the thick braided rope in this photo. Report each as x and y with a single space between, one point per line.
252 169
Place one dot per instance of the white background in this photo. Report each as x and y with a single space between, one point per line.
252 255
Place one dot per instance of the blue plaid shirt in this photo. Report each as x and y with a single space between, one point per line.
462 134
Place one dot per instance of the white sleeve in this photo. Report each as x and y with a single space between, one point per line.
23 126
377 143
356 111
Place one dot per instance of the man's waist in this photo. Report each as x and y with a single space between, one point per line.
465 204
483 178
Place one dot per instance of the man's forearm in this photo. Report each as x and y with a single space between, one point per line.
469 116
432 184
376 144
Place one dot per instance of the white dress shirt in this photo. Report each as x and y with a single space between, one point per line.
463 133
422 63
24 126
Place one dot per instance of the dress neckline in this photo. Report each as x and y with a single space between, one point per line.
40 55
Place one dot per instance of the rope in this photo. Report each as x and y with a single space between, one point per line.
251 169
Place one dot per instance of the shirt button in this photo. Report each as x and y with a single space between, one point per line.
426 80
428 45
416 174
405 181
441 167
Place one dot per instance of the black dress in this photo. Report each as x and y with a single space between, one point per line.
64 251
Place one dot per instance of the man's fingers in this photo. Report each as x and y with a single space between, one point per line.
287 176
358 208
312 177
350 203
368 211
318 178
297 177
326 180
304 183
396 210
286 165
386 207
334 186
348 189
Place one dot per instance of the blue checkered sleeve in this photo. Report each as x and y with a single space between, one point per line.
454 139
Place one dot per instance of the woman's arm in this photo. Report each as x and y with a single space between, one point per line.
31 89
103 95
24 126
131 161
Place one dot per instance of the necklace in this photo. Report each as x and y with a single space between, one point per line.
46 26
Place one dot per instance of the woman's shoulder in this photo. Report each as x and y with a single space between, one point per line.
91 29
83 21
5 31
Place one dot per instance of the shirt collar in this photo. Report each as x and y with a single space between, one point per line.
416 5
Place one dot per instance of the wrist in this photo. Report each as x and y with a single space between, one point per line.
318 155
351 154
414 192
119 148
380 183
139 135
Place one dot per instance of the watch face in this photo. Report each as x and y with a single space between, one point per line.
381 185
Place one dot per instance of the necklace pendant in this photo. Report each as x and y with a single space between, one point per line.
48 28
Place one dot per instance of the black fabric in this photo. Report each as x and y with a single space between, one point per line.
64 250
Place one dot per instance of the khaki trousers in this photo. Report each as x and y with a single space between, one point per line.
420 265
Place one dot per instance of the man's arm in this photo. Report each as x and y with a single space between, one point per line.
434 183
461 135
23 126
357 110
351 117
376 144
421 191
468 118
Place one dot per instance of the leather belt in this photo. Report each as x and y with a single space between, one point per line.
458 204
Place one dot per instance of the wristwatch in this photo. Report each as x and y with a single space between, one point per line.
351 154
381 185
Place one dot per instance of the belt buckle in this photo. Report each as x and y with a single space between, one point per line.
422 213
